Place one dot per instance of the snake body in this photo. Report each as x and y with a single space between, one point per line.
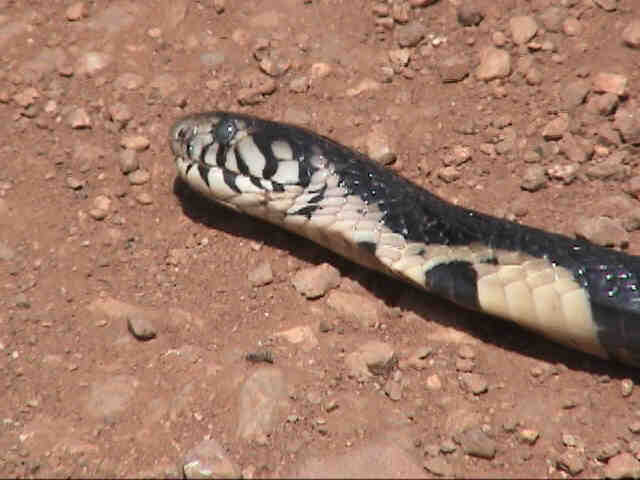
570 290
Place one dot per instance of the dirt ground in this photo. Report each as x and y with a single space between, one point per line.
99 241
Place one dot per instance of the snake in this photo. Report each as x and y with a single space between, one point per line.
569 290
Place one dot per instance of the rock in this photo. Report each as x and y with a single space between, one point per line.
76 11
610 82
128 161
565 173
439 466
209 460
300 335
552 18
453 68
141 325
571 27
608 450
610 168
556 128
469 14
79 119
494 63
477 444
372 358
379 146
573 94
602 230
135 142
262 404
449 174
351 306
261 275
474 383
381 459
316 281
570 462
623 465
529 436
627 122
109 398
607 5
631 34
604 104
92 63
626 387
523 29
534 178
409 35
139 177
573 149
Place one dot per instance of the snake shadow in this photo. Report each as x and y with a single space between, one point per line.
501 333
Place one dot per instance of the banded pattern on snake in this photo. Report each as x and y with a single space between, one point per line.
569 290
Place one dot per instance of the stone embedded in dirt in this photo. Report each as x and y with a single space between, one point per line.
78 119
139 177
262 404
529 436
111 397
454 68
631 34
409 35
135 142
610 82
469 14
91 63
602 230
494 63
76 11
572 27
607 5
141 325
393 390
380 459
449 174
25 98
474 383
74 183
611 168
556 128
143 198
523 29
552 18
300 335
351 306
623 465
604 104
314 282
261 275
372 358
570 462
101 206
626 387
399 58
565 173
608 450
574 93
208 459
320 70
6 253
418 359
627 122
128 161
476 443
366 85
439 467
128 81
120 113
379 146
433 383
534 178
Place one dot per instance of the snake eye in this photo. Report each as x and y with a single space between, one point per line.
225 132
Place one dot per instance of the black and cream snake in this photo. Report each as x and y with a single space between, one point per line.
568 289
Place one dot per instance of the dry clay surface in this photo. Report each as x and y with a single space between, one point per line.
145 332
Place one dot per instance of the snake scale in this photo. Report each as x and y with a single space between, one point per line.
568 289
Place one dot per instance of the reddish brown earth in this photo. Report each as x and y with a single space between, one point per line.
82 248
